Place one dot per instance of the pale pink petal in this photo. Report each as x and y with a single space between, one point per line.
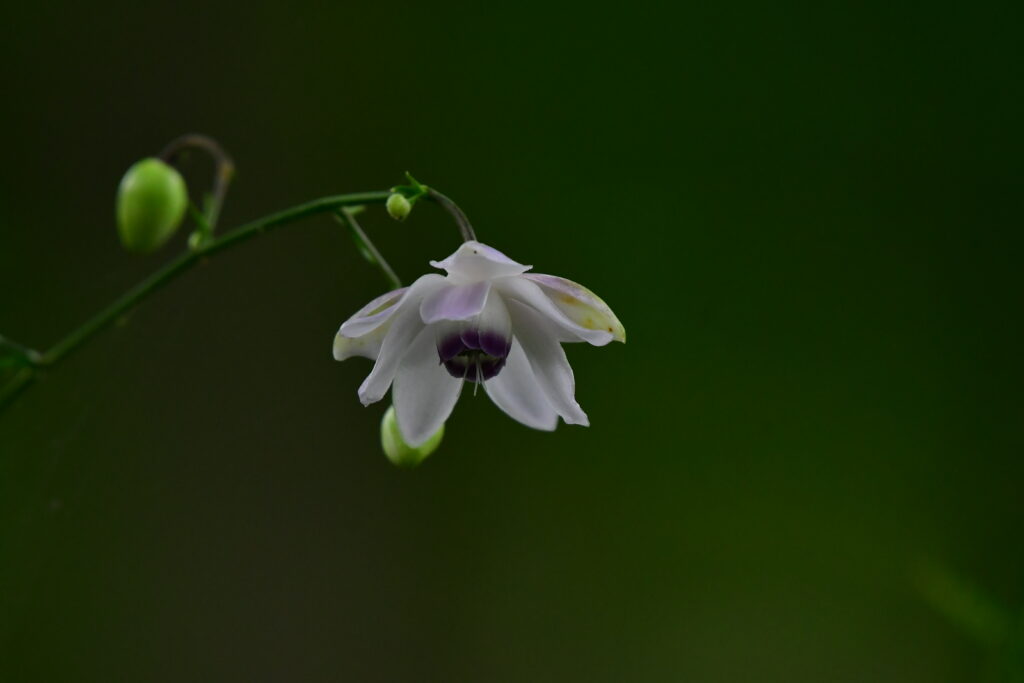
547 359
529 293
455 302
474 261
579 304
372 314
404 328
517 392
367 346
381 309
494 322
405 324
424 392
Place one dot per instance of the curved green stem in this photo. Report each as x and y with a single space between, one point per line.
184 262
25 376
456 212
347 217
34 362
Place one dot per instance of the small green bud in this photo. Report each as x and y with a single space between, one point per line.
398 206
151 203
398 451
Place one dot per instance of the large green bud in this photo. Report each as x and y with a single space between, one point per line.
151 203
398 451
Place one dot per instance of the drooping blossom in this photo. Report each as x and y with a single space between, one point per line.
488 321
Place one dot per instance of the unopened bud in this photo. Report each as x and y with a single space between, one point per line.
398 451
151 203
398 206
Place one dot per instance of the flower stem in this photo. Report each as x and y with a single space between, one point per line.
184 262
347 216
460 217
35 362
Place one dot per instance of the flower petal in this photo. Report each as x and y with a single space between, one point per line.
493 329
405 324
517 392
579 304
404 328
527 292
547 359
367 346
424 392
455 302
474 261
372 314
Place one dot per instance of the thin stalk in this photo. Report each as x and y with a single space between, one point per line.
460 218
186 261
347 216
206 249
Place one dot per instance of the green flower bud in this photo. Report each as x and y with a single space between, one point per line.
398 451
398 206
151 203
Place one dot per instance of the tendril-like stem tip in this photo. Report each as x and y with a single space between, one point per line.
460 217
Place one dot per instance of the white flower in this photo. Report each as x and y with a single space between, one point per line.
486 321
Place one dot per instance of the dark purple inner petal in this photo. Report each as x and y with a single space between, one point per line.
450 347
489 366
471 338
494 344
472 355
459 368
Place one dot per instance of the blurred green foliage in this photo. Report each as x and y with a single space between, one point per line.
997 629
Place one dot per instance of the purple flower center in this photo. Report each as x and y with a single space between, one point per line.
474 355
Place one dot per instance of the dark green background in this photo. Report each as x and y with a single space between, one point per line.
808 218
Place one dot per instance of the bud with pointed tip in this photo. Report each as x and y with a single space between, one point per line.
398 451
398 206
151 203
